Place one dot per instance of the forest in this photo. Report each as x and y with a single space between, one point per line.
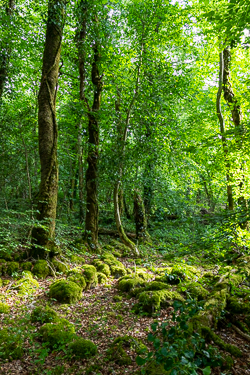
125 187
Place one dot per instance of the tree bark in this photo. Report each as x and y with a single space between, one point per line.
5 50
48 132
222 131
140 217
91 219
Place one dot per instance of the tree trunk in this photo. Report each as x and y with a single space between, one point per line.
140 217
48 132
91 220
222 130
235 109
5 50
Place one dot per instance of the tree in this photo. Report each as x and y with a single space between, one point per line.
48 132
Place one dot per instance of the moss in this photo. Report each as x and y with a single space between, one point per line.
208 275
65 291
11 346
78 279
102 279
153 368
195 290
238 306
12 267
117 298
111 260
120 346
117 271
143 274
211 336
26 266
27 284
4 308
126 285
1 283
117 254
102 267
41 269
44 315
59 266
227 363
151 301
5 255
77 259
90 275
216 303
57 334
228 280
81 348
138 261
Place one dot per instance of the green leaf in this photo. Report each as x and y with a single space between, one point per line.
140 361
207 370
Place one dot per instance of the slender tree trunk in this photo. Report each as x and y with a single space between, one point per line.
92 212
80 172
48 132
5 50
27 169
140 217
222 130
236 112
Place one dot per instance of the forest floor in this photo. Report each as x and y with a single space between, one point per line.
102 314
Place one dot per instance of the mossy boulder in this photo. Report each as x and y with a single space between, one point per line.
143 274
27 284
118 271
102 267
81 348
11 345
152 301
12 267
57 334
77 259
127 284
238 306
78 279
102 278
4 308
44 315
194 289
26 266
59 266
90 274
120 346
65 291
41 269
6 255
113 262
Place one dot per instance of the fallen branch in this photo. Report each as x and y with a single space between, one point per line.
242 334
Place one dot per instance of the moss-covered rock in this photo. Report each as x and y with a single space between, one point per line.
65 291
57 334
102 267
120 346
90 274
4 308
44 315
12 267
127 284
111 261
1 283
238 306
102 279
11 345
27 284
195 290
117 271
26 266
41 269
78 279
6 255
77 259
153 368
81 348
59 266
152 301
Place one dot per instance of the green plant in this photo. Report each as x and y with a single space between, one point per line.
177 349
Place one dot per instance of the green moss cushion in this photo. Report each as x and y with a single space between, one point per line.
102 267
12 267
44 315
65 291
102 278
90 274
57 334
81 348
11 345
78 279
41 269
27 284
127 284
4 308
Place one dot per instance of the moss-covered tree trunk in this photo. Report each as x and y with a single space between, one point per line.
236 113
5 48
140 217
91 220
48 132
